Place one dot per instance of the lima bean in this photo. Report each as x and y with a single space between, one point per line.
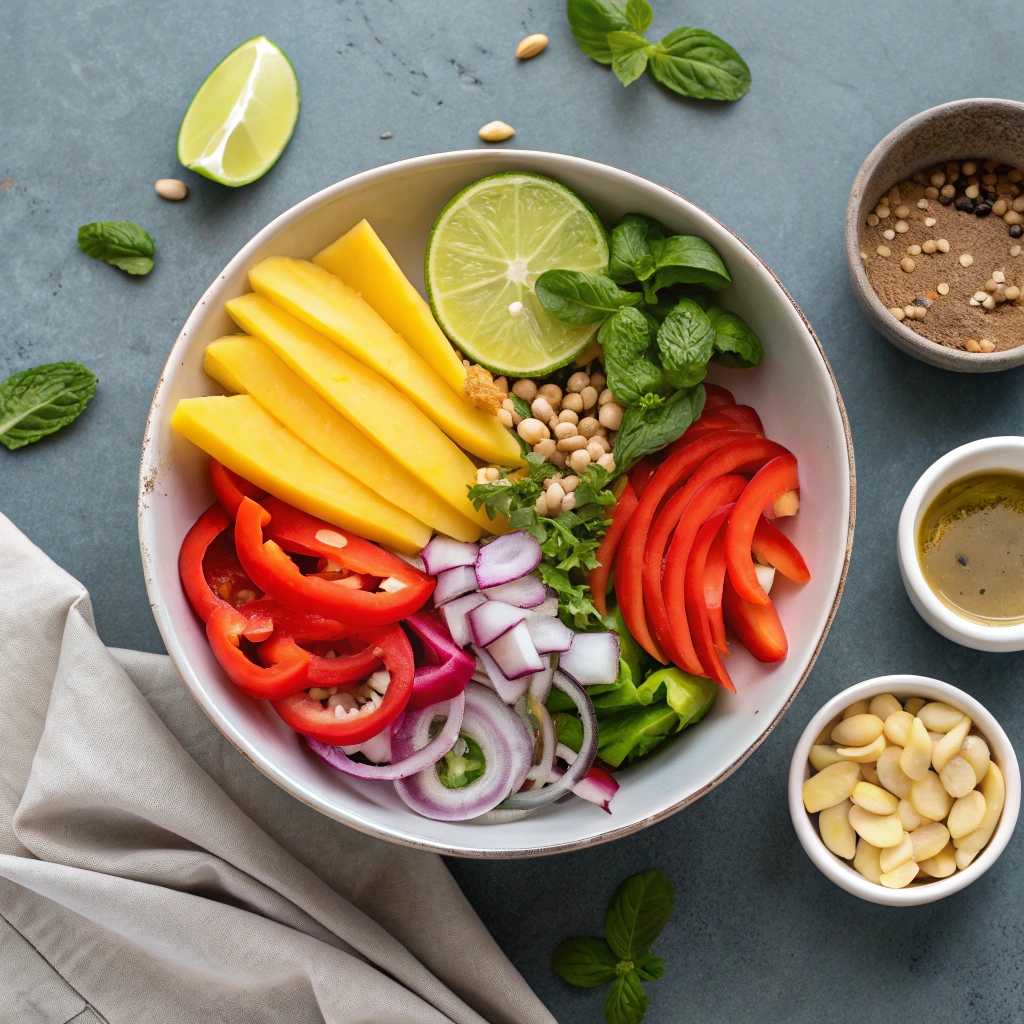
917 753
832 785
881 830
966 815
836 831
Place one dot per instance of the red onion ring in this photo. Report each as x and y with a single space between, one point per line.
433 684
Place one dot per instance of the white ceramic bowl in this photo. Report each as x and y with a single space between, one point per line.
842 873
793 390
1004 454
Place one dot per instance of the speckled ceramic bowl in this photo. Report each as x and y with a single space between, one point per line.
986 128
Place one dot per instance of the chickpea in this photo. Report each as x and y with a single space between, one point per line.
553 422
552 392
505 418
573 403
606 397
508 404
545 448
541 505
568 503
598 382
589 396
577 382
579 460
492 474
541 409
568 416
611 416
588 426
607 462
564 430
525 389
532 431
557 458
594 450
554 496
572 444
570 483
600 439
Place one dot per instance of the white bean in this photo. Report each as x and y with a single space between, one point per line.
589 396
858 731
907 813
957 777
901 877
572 403
868 754
894 856
555 494
964 858
577 382
884 705
897 727
929 797
525 389
858 707
942 865
869 773
929 839
836 831
917 752
967 815
579 460
976 753
914 704
974 841
939 717
541 409
993 789
891 775
532 431
611 416
874 799
552 392
881 830
950 744
866 861
825 736
831 786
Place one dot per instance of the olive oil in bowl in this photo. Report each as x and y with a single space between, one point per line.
971 548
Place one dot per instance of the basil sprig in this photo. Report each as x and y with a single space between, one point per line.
41 400
690 61
636 915
120 243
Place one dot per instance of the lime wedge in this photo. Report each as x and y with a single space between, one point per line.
486 250
241 119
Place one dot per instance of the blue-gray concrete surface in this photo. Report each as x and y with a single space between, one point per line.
91 94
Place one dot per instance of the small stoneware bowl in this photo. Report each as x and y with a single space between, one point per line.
990 129
990 454
842 873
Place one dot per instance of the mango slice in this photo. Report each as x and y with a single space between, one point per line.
366 400
247 366
363 262
336 311
240 433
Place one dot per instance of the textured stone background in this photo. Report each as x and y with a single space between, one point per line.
91 94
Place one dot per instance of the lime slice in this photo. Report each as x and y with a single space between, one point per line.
486 250
241 119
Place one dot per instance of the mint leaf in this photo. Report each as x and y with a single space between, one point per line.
630 257
628 357
577 298
42 400
645 430
521 406
592 20
120 243
639 15
638 911
686 343
687 259
585 962
626 1002
629 55
736 344
696 63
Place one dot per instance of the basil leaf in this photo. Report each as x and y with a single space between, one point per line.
592 20
626 338
639 14
646 430
639 910
41 400
693 62
626 1002
630 256
686 343
585 962
577 298
119 242
650 968
629 55
736 344
687 259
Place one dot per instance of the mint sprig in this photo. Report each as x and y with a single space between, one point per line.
41 400
120 243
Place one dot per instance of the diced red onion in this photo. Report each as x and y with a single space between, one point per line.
432 684
493 619
592 659
455 615
453 583
509 690
376 749
549 606
549 634
515 653
507 558
443 553
533 798
597 786
410 743
525 592
540 682
508 754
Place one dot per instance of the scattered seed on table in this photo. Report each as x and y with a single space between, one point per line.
872 220
888 234
1012 293
988 302
1014 250
929 246
171 188
913 250
980 295
897 312
531 46
929 222
883 251
496 131
943 245
902 227
972 345
987 345
922 204
999 277
966 259
907 265
942 289
902 211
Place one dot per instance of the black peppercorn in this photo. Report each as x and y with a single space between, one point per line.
945 200
965 204
982 209
961 183
990 197
1016 230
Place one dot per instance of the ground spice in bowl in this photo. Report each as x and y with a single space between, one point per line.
943 251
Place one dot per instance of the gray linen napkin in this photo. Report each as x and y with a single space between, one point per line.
149 873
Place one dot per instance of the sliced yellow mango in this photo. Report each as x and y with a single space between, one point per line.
363 262
330 306
241 434
247 366
366 400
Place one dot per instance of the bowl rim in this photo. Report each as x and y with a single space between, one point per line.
149 471
906 339
843 874
956 627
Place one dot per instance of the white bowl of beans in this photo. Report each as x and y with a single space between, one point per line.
912 812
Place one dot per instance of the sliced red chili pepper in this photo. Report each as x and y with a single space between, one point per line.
309 717
716 396
273 571
288 676
676 469
771 545
756 625
337 671
640 475
771 481
668 614
744 452
696 609
714 580
230 488
598 578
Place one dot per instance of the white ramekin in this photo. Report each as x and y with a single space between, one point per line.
990 453
842 873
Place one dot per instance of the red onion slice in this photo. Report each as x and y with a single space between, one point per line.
433 684
597 786
443 553
540 682
592 659
508 754
515 653
453 583
525 592
541 771
507 558
509 690
456 616
493 619
549 635
410 743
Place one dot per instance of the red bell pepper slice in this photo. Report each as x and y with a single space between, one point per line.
756 625
598 578
640 475
230 488
309 717
303 627
714 580
772 546
338 671
771 481
668 615
274 572
733 417
743 452
288 676
696 608
225 575
676 469
716 396
206 529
